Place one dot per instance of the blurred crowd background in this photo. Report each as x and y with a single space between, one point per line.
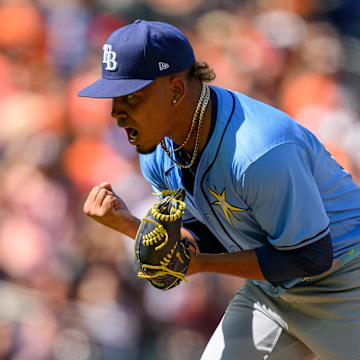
68 289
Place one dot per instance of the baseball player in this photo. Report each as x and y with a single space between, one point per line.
265 201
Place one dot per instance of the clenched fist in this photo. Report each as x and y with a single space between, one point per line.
104 206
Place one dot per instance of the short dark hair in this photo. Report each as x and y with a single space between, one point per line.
202 71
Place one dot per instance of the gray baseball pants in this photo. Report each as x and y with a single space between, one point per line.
317 320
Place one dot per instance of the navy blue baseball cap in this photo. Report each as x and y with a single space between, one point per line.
136 54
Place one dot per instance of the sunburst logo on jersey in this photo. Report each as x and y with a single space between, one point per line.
227 208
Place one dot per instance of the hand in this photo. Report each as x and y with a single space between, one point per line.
194 251
104 206
186 234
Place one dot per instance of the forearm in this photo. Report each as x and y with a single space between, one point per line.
243 264
267 263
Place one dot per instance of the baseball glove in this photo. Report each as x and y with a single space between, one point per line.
162 257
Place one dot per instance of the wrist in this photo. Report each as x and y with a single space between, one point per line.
129 225
195 263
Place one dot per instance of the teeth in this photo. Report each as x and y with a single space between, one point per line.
133 134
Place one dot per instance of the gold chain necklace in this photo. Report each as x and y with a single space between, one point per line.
193 122
202 104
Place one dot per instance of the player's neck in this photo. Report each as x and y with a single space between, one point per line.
205 127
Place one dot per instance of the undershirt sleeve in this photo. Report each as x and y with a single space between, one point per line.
281 266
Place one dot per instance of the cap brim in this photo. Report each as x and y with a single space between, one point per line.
106 88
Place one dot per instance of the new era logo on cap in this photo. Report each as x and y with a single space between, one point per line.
163 66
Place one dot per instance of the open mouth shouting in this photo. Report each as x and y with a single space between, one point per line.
132 135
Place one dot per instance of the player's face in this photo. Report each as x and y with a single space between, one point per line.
145 115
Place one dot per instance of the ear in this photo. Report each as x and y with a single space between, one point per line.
178 89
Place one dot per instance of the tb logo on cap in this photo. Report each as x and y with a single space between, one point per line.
109 58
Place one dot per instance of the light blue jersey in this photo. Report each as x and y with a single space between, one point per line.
263 178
